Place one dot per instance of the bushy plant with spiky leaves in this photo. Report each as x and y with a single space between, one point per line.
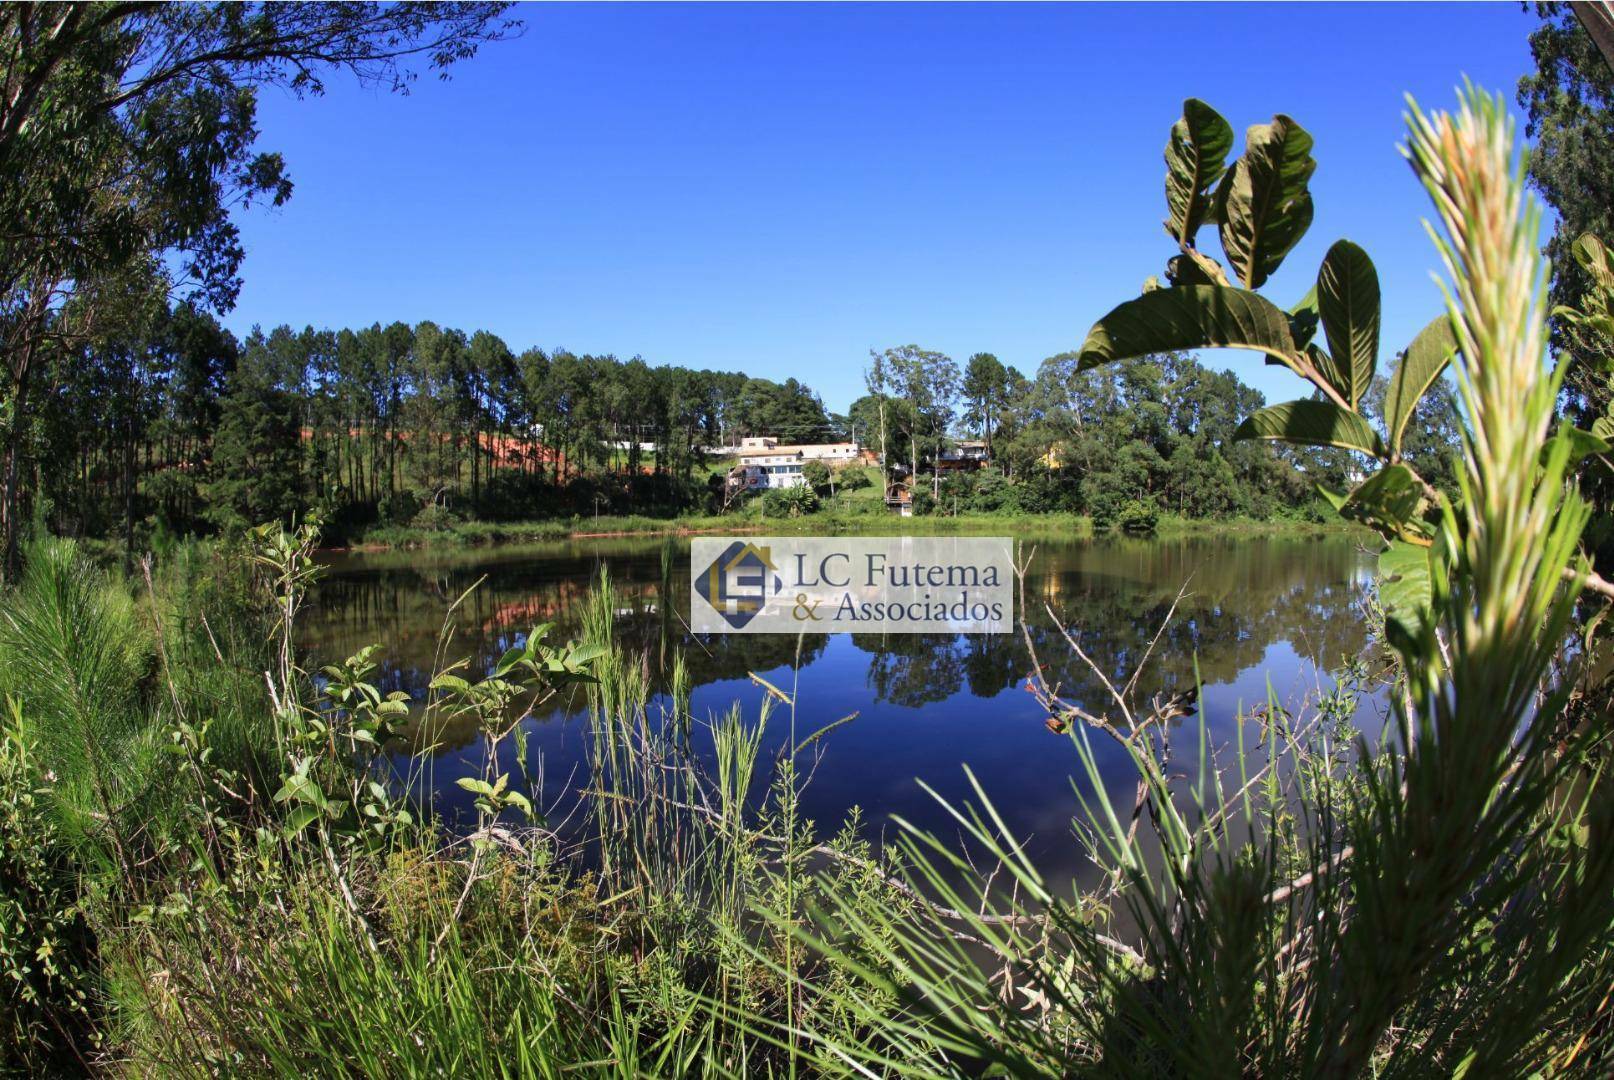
1450 915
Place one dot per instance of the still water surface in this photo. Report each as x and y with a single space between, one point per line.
1261 612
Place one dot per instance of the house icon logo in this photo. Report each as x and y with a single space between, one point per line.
739 581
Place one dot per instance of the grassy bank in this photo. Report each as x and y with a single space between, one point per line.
474 534
856 504
827 522
486 533
1075 526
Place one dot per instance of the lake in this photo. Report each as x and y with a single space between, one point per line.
1260 612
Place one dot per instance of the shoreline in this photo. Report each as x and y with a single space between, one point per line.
492 535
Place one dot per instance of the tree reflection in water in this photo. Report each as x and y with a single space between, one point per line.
1257 609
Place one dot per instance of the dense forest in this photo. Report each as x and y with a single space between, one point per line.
183 428
165 424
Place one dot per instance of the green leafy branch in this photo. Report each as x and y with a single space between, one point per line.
333 750
1261 206
531 667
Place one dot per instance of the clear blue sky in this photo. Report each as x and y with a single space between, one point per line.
777 189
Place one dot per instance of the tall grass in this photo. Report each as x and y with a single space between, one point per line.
73 654
289 915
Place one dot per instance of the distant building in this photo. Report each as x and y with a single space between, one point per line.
968 454
899 497
830 453
765 463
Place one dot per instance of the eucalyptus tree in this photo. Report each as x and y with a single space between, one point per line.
436 409
565 414
127 137
257 472
877 377
683 420
1011 415
798 413
729 386
929 382
393 348
985 383
203 355
532 413
1569 109
325 432
637 406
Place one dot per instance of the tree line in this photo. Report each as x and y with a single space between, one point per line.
171 423
1155 433
165 423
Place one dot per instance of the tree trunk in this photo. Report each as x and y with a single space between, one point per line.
30 327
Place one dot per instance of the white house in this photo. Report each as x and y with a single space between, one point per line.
767 469
764 463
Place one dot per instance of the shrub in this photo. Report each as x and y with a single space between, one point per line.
854 478
789 502
1102 502
985 491
436 517
816 473
46 950
398 508
1044 491
1137 517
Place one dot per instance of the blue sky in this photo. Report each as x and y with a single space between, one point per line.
778 189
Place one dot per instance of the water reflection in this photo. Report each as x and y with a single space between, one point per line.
1256 610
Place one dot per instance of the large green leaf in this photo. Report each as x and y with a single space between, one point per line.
1581 444
1348 300
1303 319
1420 366
1330 371
1390 501
1263 203
1335 499
1196 157
1314 423
1189 317
1405 587
1593 258
1194 268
